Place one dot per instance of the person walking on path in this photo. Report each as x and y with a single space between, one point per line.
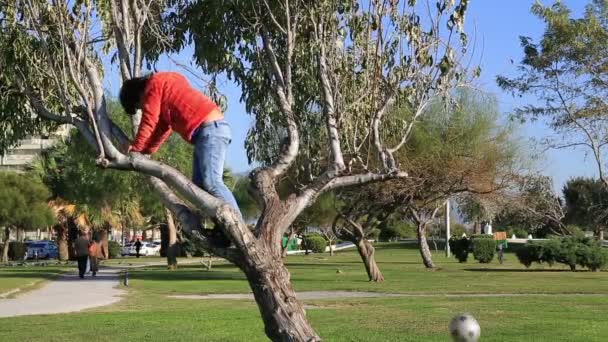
168 102
94 260
137 247
81 250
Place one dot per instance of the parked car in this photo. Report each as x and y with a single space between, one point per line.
126 249
147 248
155 248
42 250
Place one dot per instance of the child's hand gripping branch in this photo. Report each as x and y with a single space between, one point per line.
169 103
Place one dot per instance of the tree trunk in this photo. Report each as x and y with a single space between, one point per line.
171 241
62 242
331 249
104 251
423 246
283 315
7 235
600 234
366 251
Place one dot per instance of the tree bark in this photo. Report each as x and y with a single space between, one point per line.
62 242
7 234
367 251
423 246
171 241
284 317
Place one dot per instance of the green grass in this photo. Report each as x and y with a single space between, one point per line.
148 315
27 277
128 261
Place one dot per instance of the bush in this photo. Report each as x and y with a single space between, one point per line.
484 248
571 251
528 254
460 248
16 250
315 243
113 249
594 257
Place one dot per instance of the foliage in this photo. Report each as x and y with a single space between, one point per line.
391 230
460 247
23 202
315 243
566 74
16 250
586 202
113 249
484 248
247 204
343 44
457 229
571 251
534 207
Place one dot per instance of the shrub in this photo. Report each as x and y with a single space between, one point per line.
484 248
550 252
576 231
315 243
594 257
113 249
16 250
460 248
571 251
528 254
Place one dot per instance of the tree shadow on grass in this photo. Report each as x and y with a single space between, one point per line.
535 270
186 275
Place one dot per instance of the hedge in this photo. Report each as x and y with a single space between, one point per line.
571 251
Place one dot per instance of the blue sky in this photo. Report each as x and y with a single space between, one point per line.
498 25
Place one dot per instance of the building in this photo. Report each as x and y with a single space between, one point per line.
20 156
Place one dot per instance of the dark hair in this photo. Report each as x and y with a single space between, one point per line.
131 92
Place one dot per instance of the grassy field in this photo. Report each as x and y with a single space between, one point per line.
28 277
556 313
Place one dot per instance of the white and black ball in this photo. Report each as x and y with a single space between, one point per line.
464 328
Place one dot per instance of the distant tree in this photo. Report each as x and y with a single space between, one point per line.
23 205
534 206
586 201
566 73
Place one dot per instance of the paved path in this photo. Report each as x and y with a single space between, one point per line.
65 294
354 294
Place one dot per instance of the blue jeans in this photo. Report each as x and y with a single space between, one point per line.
210 143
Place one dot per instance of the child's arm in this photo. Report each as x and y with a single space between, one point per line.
149 120
160 134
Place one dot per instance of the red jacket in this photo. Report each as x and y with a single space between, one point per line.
170 104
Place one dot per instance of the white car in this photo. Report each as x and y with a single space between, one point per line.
126 249
147 248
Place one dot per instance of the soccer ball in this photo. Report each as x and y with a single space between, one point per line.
464 328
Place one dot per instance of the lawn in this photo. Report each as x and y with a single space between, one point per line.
557 313
26 277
